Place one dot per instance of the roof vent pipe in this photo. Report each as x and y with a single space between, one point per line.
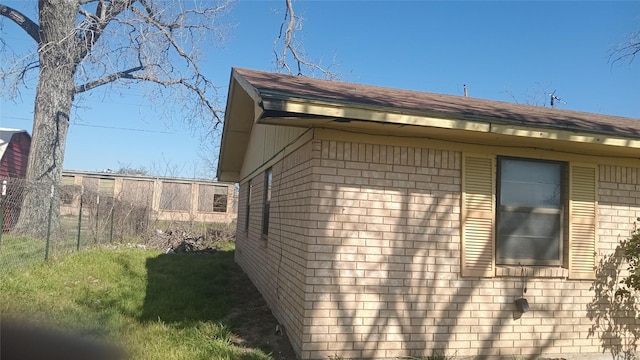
466 92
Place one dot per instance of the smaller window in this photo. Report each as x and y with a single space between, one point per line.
268 178
212 198
67 189
219 203
67 194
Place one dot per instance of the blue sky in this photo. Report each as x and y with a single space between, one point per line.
513 51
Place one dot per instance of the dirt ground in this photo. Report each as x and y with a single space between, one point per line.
253 322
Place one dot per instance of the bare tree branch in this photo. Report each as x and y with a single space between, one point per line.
126 74
190 85
627 50
28 25
286 39
97 23
166 31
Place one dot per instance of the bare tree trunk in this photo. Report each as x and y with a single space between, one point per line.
54 97
144 40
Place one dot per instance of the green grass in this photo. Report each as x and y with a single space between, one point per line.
155 306
18 251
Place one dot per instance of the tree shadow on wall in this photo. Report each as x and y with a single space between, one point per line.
614 311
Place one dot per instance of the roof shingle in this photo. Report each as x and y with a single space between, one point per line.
437 105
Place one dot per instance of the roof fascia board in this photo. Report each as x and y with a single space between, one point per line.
346 112
303 106
573 136
225 125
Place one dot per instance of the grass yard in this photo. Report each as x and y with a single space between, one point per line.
155 306
19 251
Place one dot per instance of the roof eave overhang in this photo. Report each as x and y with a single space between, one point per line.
247 105
303 112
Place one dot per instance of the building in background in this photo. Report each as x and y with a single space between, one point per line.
169 199
14 157
14 152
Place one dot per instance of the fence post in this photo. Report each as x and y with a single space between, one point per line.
2 202
80 218
97 240
46 252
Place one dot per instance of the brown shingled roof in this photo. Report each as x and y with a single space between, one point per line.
269 84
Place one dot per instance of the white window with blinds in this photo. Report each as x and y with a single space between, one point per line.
530 206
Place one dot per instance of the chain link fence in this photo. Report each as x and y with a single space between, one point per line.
44 220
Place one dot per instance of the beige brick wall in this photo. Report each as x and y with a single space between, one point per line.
615 324
276 263
384 270
363 261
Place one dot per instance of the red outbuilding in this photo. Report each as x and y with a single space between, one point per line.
14 152
14 156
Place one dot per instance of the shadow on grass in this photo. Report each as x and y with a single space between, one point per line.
183 289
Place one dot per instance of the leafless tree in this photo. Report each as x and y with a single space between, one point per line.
288 53
80 45
128 169
535 95
626 50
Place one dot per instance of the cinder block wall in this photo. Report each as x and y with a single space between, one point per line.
384 265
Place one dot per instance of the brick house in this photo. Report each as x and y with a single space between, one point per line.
380 223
